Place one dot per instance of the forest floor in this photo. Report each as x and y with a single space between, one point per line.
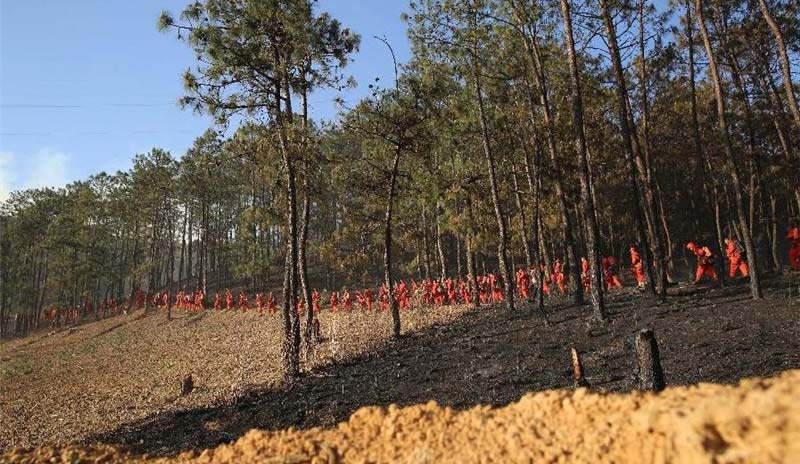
118 381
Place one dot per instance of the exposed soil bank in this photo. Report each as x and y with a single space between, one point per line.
756 421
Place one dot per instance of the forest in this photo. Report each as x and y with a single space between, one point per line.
519 133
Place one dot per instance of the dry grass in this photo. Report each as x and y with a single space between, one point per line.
65 386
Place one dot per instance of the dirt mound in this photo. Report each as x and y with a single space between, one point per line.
756 421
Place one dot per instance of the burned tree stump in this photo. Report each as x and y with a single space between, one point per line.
187 385
650 375
577 370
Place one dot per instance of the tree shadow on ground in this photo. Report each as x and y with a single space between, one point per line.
490 356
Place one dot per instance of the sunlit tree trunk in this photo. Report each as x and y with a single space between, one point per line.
784 59
644 206
508 280
587 203
722 121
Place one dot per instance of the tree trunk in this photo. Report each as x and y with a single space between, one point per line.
425 243
572 264
387 244
291 325
587 203
709 188
722 121
439 247
306 215
183 249
644 199
534 192
5 252
508 280
472 274
773 224
650 375
523 223
459 270
784 59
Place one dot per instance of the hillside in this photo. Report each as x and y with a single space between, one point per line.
118 381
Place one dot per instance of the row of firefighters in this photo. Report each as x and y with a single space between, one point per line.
434 292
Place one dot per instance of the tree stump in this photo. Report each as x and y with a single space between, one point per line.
651 375
316 331
187 385
577 370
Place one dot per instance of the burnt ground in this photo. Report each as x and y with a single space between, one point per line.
491 356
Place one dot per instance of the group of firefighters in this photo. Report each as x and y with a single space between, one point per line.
428 292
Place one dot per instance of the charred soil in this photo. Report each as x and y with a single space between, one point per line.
126 392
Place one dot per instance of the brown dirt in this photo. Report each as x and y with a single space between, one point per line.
93 379
120 383
758 421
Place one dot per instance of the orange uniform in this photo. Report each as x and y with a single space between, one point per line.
794 247
383 296
200 301
704 262
610 273
558 276
315 301
587 281
260 303
735 261
368 298
228 300
347 300
524 283
637 267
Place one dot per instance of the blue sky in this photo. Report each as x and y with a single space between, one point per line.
86 84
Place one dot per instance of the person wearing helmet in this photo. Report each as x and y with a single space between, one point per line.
637 267
794 247
704 261
735 260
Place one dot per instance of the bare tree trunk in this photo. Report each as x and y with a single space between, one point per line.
472 273
667 235
5 254
592 231
773 225
425 243
508 280
644 204
709 188
304 225
722 120
183 248
387 244
459 270
291 322
534 192
189 255
651 182
784 59
439 246
523 223
572 264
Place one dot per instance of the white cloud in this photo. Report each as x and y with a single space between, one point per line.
48 169
6 160
45 168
